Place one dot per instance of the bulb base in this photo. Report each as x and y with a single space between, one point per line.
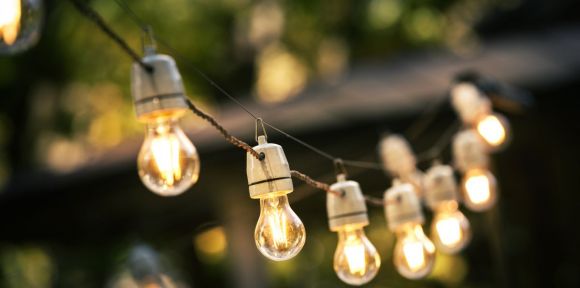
160 92
270 176
440 186
346 209
397 156
469 102
403 206
469 151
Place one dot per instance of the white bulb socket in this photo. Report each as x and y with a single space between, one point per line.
397 156
440 186
269 177
349 208
469 102
159 92
469 151
402 206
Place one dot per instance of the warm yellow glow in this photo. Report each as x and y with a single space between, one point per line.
10 13
414 255
356 260
279 234
450 228
492 130
354 251
449 231
277 221
281 74
168 162
477 188
165 150
212 241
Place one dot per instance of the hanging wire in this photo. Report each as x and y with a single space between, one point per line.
96 18
436 150
260 124
427 117
316 184
230 138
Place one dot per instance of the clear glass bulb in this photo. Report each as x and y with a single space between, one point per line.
414 253
279 233
479 189
168 162
19 24
450 228
356 261
493 129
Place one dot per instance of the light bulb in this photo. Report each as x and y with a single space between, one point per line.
414 253
356 260
10 14
450 228
479 189
19 24
279 233
168 162
493 129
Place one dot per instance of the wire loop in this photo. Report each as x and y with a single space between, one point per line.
148 41
339 167
260 123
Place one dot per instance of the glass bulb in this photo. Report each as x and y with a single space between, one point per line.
279 233
414 253
19 24
479 189
356 260
450 228
168 162
493 129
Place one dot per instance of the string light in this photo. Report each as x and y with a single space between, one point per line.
450 229
356 261
279 234
494 129
168 162
19 24
476 111
414 253
478 184
399 160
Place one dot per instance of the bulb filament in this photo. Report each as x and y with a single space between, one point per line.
10 13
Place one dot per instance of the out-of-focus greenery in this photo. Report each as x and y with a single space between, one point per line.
81 105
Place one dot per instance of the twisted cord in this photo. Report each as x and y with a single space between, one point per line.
96 18
316 184
230 138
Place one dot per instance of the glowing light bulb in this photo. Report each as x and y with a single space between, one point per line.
356 260
20 22
479 189
10 13
168 162
279 233
493 129
450 228
414 253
